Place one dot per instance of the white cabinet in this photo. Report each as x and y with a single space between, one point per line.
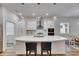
48 24
31 25
20 28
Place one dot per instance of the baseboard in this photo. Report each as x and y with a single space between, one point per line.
42 55
58 54
20 54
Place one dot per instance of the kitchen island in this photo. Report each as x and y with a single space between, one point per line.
57 47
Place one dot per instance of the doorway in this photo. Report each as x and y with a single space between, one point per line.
10 36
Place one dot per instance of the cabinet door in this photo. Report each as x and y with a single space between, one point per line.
31 25
48 24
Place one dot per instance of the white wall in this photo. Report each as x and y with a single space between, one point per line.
1 15
1 29
73 26
10 17
7 16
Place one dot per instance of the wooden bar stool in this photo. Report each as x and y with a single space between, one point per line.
31 47
46 46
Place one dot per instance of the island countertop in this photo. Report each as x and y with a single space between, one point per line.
57 44
40 39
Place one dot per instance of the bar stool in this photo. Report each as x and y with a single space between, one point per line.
31 47
46 46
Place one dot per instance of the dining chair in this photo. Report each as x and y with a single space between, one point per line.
77 40
31 47
46 47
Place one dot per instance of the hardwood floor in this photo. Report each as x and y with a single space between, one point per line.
10 51
73 52
70 52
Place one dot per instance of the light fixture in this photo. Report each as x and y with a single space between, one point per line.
46 14
22 17
38 17
33 14
20 14
54 3
54 17
38 3
78 23
22 3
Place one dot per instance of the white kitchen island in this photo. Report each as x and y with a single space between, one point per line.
58 44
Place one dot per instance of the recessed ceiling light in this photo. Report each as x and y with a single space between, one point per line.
47 14
33 14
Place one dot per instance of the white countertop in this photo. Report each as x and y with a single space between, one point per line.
40 39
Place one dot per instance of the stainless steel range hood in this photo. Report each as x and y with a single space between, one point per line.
40 29
40 26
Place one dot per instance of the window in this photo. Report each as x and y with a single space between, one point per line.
64 28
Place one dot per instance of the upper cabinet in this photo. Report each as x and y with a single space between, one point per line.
31 25
48 24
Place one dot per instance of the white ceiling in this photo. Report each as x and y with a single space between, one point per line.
59 10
